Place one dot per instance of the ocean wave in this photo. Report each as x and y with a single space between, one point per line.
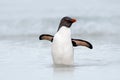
90 25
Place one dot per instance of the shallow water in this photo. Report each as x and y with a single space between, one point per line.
24 57
28 58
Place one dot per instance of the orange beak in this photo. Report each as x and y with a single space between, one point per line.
74 20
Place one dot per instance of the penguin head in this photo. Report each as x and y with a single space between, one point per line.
67 22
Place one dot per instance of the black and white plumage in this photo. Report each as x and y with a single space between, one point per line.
62 43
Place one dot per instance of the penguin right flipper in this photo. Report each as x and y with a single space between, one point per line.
79 42
46 37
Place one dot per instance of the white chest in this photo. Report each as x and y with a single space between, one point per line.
62 49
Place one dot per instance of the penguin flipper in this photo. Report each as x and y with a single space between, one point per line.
46 37
79 42
75 42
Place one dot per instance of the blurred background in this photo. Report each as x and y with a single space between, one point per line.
23 17
24 57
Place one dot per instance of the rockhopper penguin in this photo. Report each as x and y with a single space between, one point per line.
62 43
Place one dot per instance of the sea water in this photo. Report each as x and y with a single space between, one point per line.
24 57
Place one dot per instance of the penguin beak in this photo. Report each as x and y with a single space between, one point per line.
73 20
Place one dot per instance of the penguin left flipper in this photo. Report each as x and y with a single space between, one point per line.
79 42
46 37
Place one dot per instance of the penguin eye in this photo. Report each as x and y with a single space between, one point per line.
68 20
